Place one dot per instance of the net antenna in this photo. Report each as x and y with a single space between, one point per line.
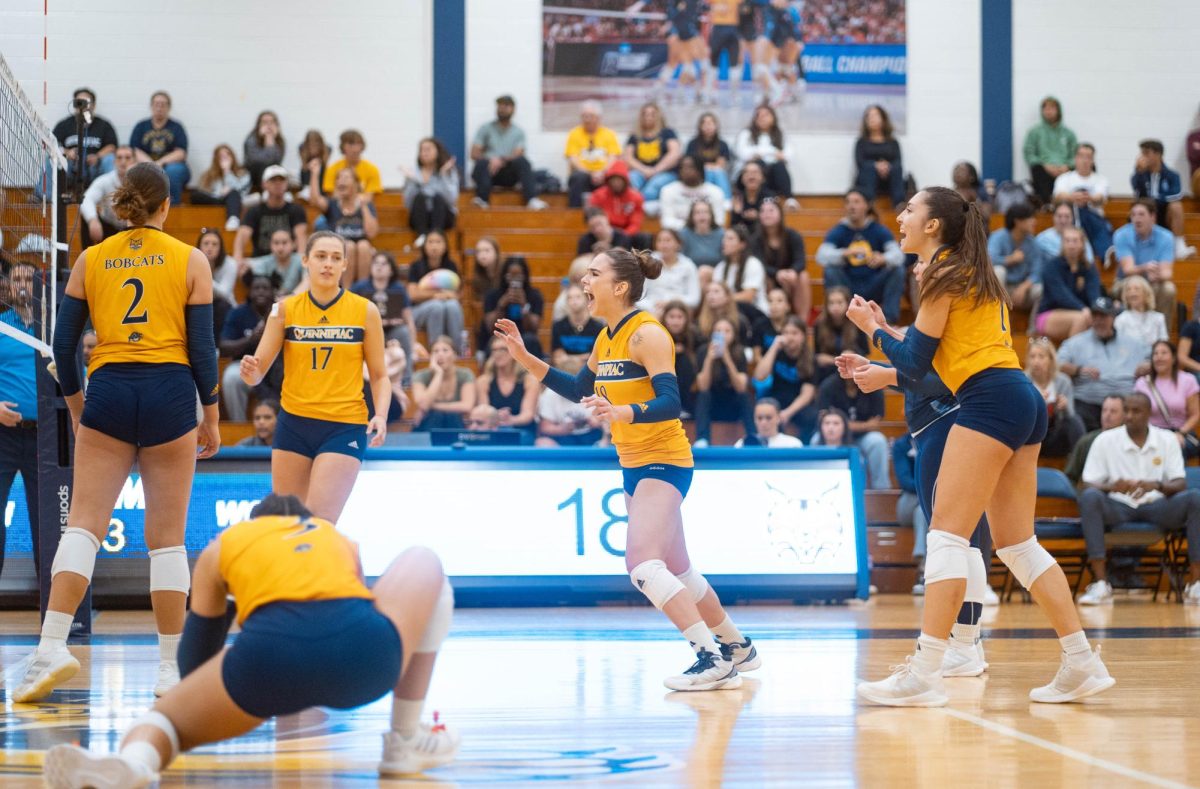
30 161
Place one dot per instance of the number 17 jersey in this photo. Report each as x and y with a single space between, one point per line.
137 294
323 358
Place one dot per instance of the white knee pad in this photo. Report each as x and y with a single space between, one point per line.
439 620
653 579
76 553
695 583
163 724
169 570
1027 560
947 557
976 578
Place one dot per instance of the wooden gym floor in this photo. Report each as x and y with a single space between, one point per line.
574 697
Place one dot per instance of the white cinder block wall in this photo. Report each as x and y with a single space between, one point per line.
364 64
1123 71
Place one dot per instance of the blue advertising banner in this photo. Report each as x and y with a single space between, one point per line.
548 520
863 64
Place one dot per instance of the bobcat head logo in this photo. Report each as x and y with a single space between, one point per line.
135 336
135 244
804 528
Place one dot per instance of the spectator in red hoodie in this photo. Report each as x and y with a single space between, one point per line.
619 200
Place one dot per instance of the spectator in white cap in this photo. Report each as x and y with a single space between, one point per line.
274 213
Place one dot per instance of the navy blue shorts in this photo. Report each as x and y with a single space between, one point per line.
723 38
678 476
1003 404
141 404
685 28
312 437
320 653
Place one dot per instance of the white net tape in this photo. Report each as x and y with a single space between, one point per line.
29 165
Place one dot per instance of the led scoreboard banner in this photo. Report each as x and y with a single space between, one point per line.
543 526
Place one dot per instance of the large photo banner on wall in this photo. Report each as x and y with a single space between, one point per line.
820 63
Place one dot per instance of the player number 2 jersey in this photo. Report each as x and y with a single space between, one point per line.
137 294
323 358
622 381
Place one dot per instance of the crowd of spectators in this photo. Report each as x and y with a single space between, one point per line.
735 291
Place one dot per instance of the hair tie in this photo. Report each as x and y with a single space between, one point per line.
966 207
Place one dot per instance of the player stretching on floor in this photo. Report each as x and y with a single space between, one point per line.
312 635
629 381
930 411
150 300
326 334
990 461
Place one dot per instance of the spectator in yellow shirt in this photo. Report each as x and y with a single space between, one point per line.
591 148
352 146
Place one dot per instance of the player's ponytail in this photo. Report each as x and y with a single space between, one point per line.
967 269
145 189
634 267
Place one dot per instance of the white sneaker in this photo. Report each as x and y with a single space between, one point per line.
232 224
432 746
420 240
1097 593
537 204
1191 593
906 687
44 673
990 597
479 202
1072 683
72 767
964 661
709 672
1182 250
742 654
168 677
700 443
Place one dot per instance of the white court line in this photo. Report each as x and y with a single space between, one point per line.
1062 750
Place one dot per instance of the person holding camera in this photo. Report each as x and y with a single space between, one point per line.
722 385
99 139
516 299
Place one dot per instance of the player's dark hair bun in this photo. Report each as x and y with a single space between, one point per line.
650 265
634 267
145 189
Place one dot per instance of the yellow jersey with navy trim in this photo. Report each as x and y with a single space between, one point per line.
323 358
622 381
137 294
976 337
279 558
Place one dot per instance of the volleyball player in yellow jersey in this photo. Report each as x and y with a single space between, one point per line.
629 381
312 634
990 461
326 334
149 297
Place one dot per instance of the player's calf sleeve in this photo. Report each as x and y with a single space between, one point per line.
169 570
76 553
1027 560
439 620
653 579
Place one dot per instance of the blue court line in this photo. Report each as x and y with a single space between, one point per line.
758 632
